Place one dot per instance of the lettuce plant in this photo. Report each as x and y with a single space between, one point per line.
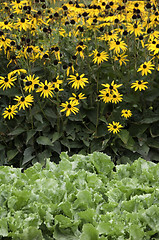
81 198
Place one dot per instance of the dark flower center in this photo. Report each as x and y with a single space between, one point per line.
54 80
29 49
78 78
22 99
115 127
6 22
6 79
22 20
36 85
107 95
56 90
144 66
98 55
45 87
28 83
56 49
139 82
157 45
114 96
79 49
117 42
69 106
9 110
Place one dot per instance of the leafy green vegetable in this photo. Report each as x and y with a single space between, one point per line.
81 198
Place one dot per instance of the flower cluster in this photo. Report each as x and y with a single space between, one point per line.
67 54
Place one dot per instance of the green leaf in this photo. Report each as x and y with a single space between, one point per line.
154 130
38 117
56 136
28 155
3 227
44 141
92 115
136 232
87 216
31 233
50 113
124 136
102 162
136 130
17 131
30 134
143 150
64 222
152 119
89 232
154 143
11 154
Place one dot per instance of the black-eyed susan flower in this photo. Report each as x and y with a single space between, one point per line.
126 113
6 24
105 95
117 45
10 111
116 97
114 127
79 49
139 84
121 58
146 68
78 81
112 87
22 24
56 81
46 89
24 102
7 82
99 57
30 82
135 28
70 107
78 97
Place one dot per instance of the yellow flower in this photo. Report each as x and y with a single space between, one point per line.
99 57
121 58
46 89
23 24
146 68
70 107
105 96
116 97
141 85
112 87
117 45
30 82
126 113
78 81
24 102
77 97
135 28
115 127
10 111
7 82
